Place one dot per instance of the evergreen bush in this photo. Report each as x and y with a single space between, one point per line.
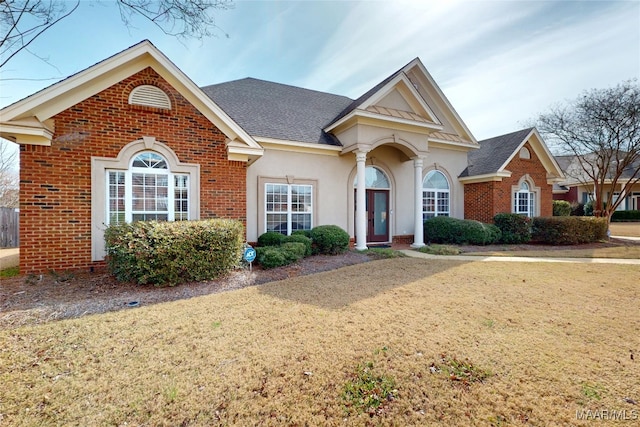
569 230
515 228
561 208
329 239
271 238
169 253
444 229
300 238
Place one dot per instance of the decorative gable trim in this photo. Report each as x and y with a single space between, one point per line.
56 98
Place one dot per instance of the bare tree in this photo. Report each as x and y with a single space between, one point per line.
23 21
9 180
601 130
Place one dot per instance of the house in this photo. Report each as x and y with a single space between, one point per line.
577 187
133 138
510 173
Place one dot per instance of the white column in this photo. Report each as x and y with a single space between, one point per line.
361 202
418 230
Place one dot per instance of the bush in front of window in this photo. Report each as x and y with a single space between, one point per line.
300 238
561 208
329 240
515 228
271 238
293 251
445 229
168 253
279 256
305 233
621 216
569 230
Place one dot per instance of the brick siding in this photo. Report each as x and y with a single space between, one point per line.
483 200
55 181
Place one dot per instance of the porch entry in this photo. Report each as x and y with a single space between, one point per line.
377 204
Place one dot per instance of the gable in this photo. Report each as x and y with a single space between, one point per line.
491 162
29 121
408 100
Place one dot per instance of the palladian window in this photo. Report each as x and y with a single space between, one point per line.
147 191
524 200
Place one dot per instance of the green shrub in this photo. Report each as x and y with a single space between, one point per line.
300 238
440 250
329 239
293 251
569 230
271 257
515 228
625 216
444 229
305 233
561 208
271 238
168 253
588 208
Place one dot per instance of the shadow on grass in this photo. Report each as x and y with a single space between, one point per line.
348 285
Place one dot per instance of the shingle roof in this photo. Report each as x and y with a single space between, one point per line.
279 111
493 153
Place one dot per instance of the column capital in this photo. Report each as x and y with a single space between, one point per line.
418 161
361 156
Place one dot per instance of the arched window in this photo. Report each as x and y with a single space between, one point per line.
147 191
374 178
435 195
524 200
524 153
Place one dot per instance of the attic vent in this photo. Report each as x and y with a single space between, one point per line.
149 96
524 153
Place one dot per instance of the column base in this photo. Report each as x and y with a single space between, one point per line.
417 245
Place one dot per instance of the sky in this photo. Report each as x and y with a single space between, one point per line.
500 63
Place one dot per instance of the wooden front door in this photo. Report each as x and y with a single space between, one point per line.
377 215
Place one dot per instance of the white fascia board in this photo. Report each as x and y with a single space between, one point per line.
80 86
26 135
299 147
432 82
484 178
437 142
380 120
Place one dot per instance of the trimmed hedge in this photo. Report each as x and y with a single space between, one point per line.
300 238
561 208
515 228
444 229
271 257
626 216
329 240
271 238
569 230
169 253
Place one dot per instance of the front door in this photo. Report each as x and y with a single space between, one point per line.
377 215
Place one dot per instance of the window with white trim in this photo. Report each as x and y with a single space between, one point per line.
288 207
435 195
524 200
147 191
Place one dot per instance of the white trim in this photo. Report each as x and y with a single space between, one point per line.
299 147
485 177
99 198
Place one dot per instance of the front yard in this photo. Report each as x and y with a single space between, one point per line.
540 344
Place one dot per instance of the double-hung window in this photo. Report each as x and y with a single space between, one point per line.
435 195
147 191
524 201
288 207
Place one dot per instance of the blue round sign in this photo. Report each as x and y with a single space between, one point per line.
249 254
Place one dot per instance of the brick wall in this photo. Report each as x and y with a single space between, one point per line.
55 181
482 201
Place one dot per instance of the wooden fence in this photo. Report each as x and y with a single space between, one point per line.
9 222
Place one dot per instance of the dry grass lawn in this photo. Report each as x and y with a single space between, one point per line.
631 251
555 339
631 229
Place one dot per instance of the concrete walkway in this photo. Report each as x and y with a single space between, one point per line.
471 258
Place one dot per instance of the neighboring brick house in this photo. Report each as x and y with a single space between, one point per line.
511 173
133 138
